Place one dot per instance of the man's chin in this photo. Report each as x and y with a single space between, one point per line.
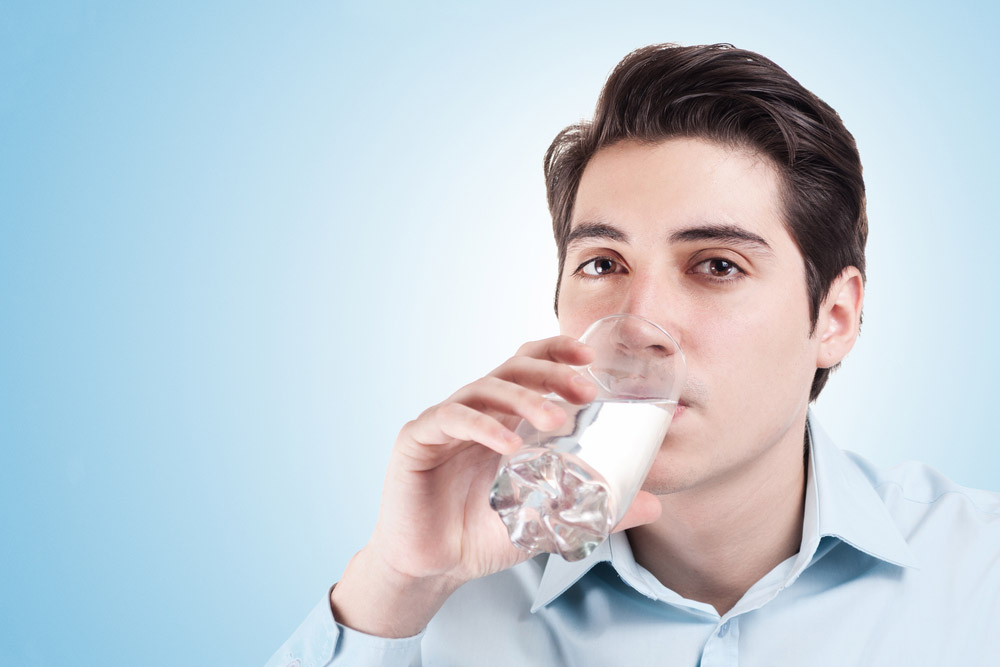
664 481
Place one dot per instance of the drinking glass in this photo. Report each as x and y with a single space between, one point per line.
565 490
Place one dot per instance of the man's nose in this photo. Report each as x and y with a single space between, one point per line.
653 300
634 335
640 337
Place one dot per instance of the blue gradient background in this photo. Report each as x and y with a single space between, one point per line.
242 243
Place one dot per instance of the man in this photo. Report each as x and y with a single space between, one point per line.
716 196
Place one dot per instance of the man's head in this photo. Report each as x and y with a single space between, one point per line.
744 101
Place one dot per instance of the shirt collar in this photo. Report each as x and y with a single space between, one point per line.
840 502
847 505
560 574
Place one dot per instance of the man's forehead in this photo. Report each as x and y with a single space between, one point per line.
679 190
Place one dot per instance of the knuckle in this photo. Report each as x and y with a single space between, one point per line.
492 382
464 391
451 411
409 427
534 348
517 374
524 350
487 387
428 415
482 421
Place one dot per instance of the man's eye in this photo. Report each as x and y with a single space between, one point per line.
599 267
719 268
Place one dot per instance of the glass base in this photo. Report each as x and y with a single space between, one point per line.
552 502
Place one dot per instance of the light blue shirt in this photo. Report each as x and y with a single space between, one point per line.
898 567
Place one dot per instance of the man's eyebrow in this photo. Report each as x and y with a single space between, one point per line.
727 233
596 230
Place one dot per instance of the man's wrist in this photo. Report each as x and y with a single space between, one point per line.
378 600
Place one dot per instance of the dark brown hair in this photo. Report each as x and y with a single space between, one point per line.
736 98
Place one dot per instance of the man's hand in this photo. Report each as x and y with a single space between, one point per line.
436 529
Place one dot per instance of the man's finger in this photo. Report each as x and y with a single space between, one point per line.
646 508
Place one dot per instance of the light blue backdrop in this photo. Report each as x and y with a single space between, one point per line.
241 243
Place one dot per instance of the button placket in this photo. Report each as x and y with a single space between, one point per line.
722 649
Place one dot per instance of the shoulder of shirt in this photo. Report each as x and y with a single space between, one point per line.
917 483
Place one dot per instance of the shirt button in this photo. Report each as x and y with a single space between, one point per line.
724 629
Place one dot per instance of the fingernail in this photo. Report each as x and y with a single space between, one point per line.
549 406
582 381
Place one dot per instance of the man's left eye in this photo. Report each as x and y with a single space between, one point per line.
718 267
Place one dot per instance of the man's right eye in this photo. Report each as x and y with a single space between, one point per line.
599 266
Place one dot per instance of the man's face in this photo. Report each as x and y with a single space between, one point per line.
690 235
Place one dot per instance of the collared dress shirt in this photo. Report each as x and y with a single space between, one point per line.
897 567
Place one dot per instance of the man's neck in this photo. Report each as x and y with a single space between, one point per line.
713 543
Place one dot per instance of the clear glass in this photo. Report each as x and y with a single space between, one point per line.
565 490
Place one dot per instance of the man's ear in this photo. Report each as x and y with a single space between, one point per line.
839 319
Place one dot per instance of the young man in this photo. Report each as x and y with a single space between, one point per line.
716 196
